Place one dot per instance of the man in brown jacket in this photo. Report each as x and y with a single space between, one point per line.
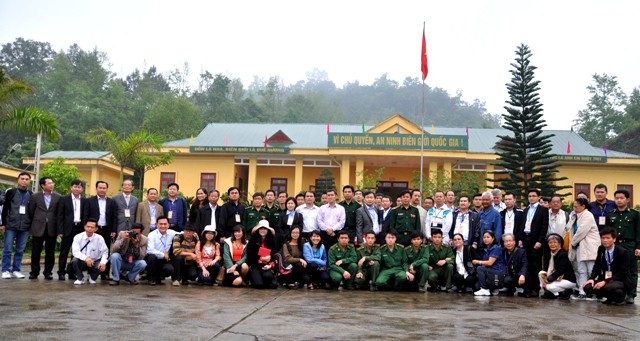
42 211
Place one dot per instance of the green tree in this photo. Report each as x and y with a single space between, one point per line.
369 179
133 150
604 116
24 119
633 106
174 118
61 174
525 154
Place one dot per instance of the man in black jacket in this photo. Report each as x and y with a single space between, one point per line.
103 210
516 265
15 224
231 214
70 223
532 232
610 277
209 214
511 216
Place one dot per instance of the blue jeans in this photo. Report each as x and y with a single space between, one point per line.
118 264
20 238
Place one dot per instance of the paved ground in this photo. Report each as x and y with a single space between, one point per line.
54 310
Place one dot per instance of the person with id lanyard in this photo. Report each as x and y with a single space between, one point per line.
610 277
126 208
601 206
436 217
465 222
511 216
533 233
148 212
90 253
231 214
15 224
175 208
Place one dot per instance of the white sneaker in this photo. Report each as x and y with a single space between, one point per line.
79 282
18 275
6 275
91 281
482 292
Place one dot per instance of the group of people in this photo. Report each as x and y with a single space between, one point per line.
483 245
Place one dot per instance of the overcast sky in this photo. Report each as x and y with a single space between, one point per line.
470 44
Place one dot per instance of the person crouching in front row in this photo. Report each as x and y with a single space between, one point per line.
559 278
610 277
127 253
184 256
89 253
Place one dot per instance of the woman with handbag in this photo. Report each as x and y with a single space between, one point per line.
261 256
559 279
464 275
585 240
292 257
490 268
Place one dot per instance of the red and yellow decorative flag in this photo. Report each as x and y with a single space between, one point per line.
425 66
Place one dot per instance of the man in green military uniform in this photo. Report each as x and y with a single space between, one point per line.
626 223
254 214
343 262
440 263
405 219
393 264
350 207
368 263
273 208
418 261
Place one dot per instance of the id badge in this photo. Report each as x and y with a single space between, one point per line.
608 274
527 225
290 221
170 215
127 213
508 225
23 209
237 218
434 223
602 220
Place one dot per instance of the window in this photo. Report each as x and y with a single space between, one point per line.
630 189
166 179
208 181
279 184
585 188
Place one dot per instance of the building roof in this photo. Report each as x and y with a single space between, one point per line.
314 136
73 154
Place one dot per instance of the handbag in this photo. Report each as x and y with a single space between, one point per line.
567 241
284 269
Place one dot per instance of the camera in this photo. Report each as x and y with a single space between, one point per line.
132 234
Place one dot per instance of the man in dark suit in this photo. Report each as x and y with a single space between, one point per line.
70 223
511 216
126 207
532 232
367 217
465 222
42 212
102 209
385 219
209 214
610 276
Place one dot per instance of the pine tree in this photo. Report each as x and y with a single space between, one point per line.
525 153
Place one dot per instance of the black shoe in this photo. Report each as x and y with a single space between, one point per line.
48 277
630 299
618 302
421 290
373 288
61 277
152 282
73 277
549 295
31 276
114 283
104 277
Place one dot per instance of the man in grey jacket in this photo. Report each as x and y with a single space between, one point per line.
126 207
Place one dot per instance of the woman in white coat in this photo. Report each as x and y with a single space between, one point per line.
585 240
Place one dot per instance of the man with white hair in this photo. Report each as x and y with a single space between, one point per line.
497 200
490 219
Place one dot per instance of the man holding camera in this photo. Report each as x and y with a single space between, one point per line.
127 254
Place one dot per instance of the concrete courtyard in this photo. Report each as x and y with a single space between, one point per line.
56 310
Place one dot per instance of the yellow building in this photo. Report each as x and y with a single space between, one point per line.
291 157
92 165
9 174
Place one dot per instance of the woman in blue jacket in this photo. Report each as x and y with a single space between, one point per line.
316 256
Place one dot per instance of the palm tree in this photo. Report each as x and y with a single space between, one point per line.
25 119
134 150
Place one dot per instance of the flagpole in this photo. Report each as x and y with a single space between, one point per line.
422 125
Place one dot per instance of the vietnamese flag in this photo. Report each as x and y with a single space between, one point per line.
265 141
425 66
328 128
569 147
